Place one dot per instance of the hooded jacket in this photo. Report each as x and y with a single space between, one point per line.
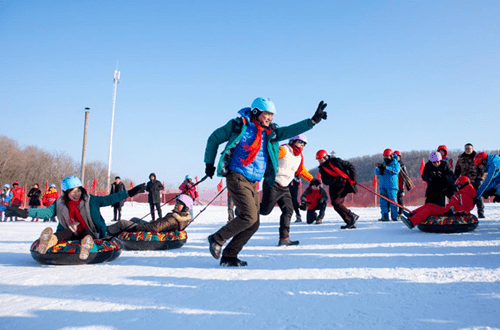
154 187
172 221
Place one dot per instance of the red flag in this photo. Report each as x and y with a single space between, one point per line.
422 166
94 184
196 178
374 181
257 186
219 186
318 176
86 188
46 185
131 185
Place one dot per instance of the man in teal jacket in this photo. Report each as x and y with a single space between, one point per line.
251 154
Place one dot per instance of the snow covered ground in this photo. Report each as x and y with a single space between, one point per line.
379 276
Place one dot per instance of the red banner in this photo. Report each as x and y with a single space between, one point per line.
196 178
131 185
374 181
219 186
46 185
422 166
258 185
94 184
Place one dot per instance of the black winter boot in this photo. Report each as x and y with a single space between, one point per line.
214 247
232 262
287 242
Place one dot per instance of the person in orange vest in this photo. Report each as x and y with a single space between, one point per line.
49 197
312 200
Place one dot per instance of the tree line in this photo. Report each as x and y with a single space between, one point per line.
32 165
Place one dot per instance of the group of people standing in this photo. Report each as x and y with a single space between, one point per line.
14 197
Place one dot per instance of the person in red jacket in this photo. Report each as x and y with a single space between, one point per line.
49 197
462 202
17 194
314 199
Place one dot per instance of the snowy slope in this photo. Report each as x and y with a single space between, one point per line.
380 276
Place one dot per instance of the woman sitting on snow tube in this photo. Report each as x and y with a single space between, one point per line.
452 218
163 234
78 214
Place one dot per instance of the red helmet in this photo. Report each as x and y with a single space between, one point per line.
480 158
462 180
321 153
397 152
387 152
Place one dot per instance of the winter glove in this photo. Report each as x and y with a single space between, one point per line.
490 192
209 170
381 168
322 201
303 206
320 113
137 189
451 211
496 199
14 211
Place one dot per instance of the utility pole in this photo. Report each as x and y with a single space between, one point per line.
82 176
115 83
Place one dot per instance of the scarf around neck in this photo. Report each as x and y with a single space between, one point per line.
254 148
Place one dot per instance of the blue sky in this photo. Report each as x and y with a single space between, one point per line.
407 75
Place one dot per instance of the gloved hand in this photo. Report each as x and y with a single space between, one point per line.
320 113
451 211
303 206
490 192
322 201
381 168
14 211
137 189
496 199
209 170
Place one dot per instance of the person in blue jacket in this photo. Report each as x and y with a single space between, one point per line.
5 200
491 185
251 154
78 214
388 172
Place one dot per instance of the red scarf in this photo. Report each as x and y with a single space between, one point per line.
254 148
75 215
297 151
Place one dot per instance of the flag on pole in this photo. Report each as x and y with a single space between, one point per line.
219 186
257 186
46 185
422 166
131 185
374 181
318 176
94 184
196 178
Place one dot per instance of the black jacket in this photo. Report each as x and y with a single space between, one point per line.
440 182
154 188
34 197
338 182
117 188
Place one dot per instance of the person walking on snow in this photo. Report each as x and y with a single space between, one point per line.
462 202
404 181
251 154
117 186
78 214
439 178
290 164
312 200
154 187
465 166
340 177
491 185
388 172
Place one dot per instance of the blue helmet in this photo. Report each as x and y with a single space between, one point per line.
6 186
70 182
52 185
187 177
264 104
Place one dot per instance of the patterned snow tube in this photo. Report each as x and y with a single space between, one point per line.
68 252
449 224
145 240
